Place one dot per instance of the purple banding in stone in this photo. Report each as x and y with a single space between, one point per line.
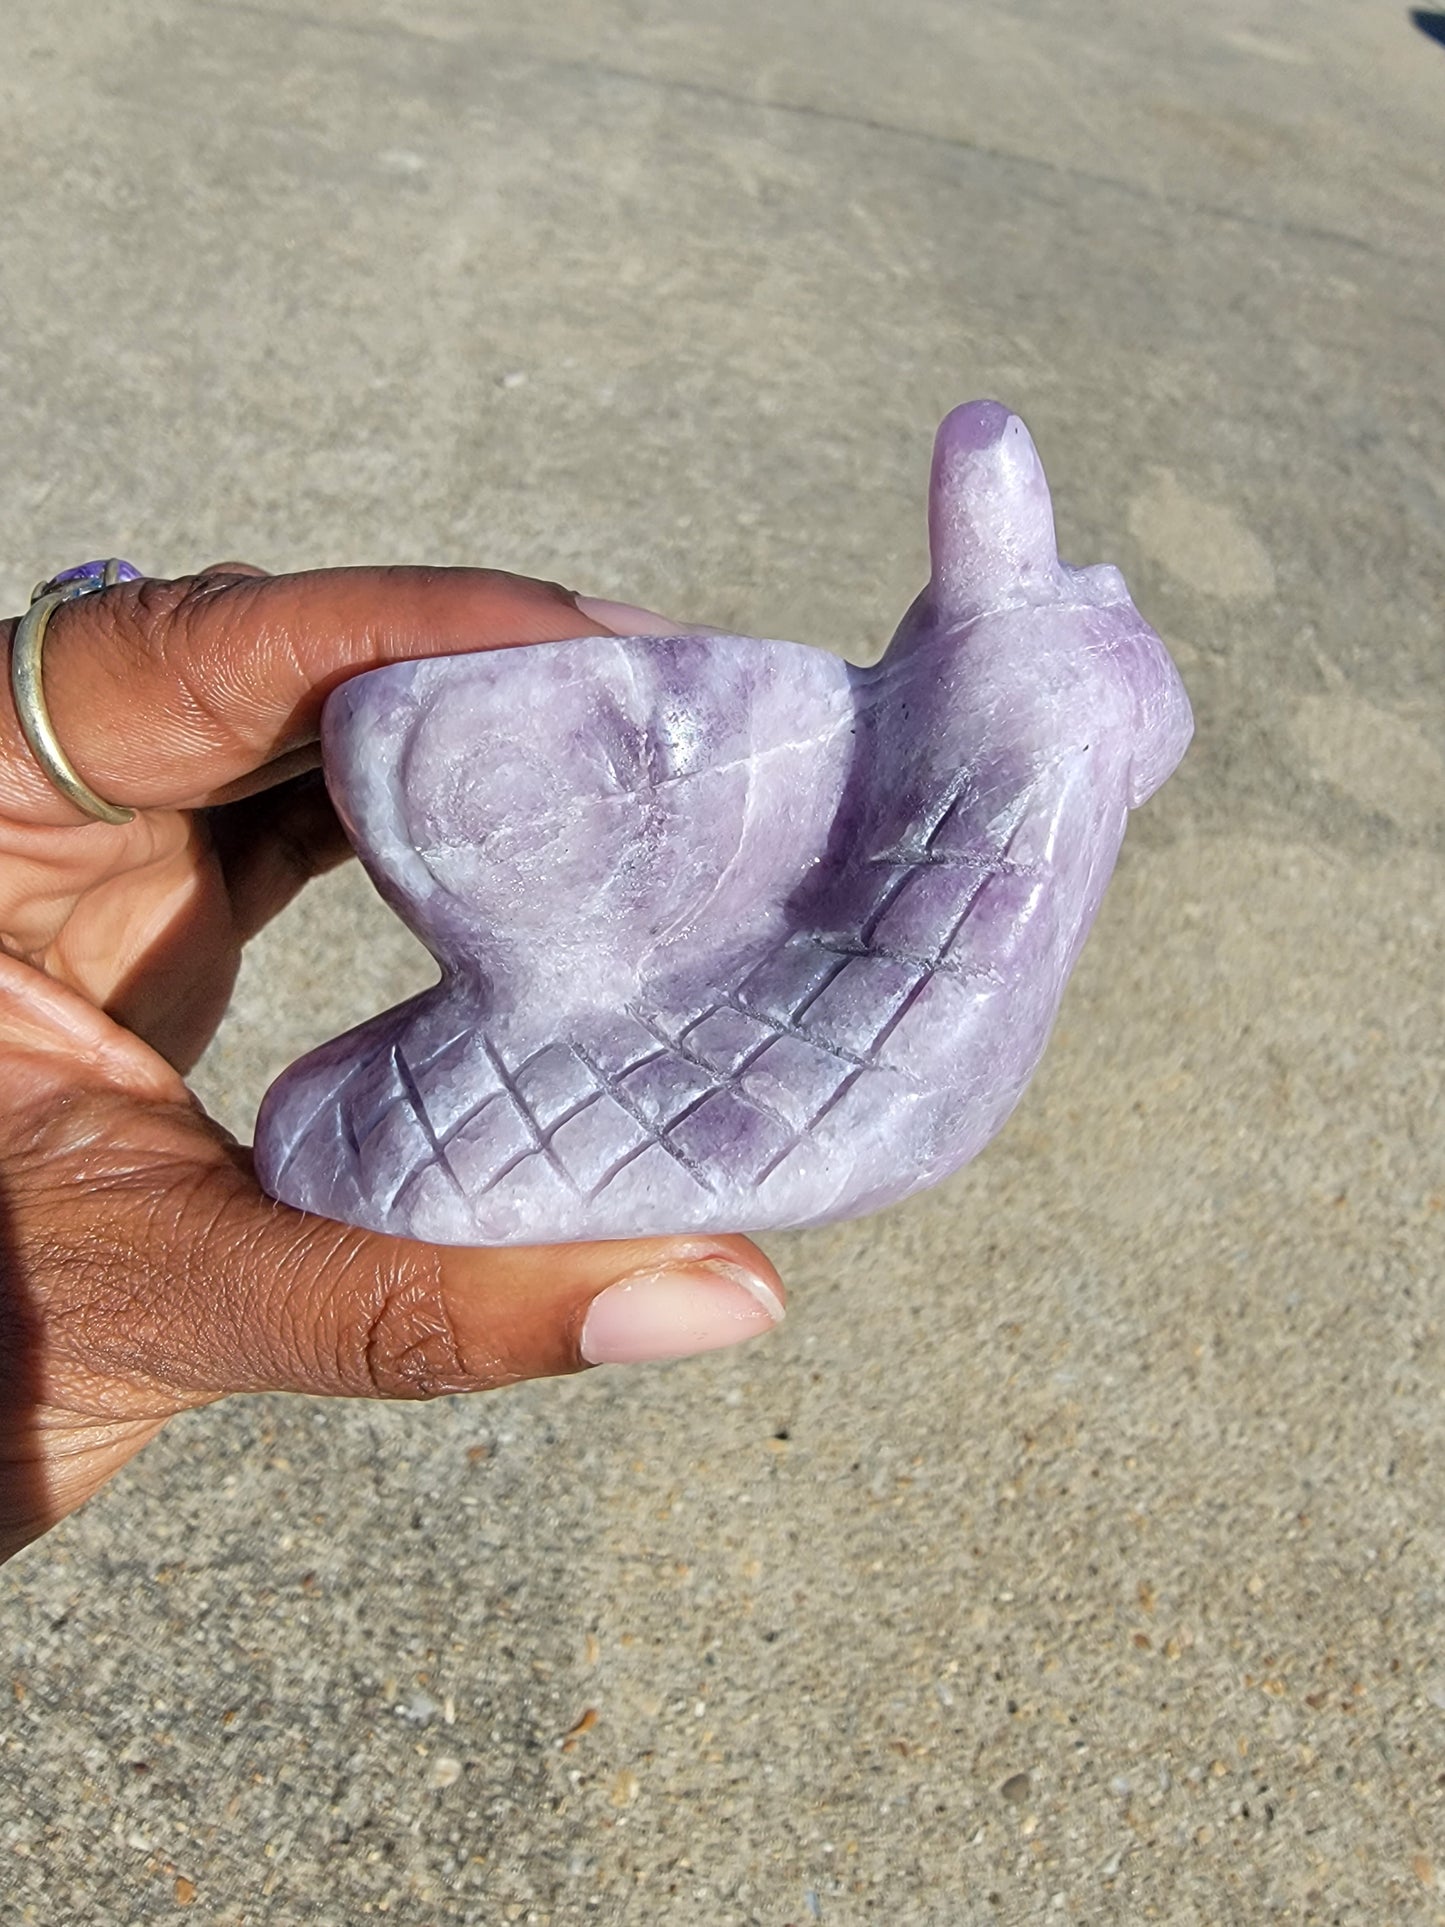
733 935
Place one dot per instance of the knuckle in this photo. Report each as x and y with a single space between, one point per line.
215 650
127 617
174 627
219 578
402 1342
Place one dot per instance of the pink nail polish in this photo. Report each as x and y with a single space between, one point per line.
673 1314
625 620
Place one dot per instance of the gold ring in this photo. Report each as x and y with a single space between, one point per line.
28 688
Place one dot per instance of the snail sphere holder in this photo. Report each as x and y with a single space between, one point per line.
733 934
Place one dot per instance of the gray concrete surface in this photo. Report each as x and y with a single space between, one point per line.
1076 1552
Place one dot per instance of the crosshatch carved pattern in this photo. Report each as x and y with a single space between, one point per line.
588 1118
874 879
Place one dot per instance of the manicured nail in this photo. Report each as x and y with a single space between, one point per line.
625 620
672 1314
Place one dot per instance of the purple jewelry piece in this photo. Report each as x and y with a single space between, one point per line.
27 682
733 935
95 572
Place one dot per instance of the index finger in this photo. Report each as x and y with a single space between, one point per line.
172 693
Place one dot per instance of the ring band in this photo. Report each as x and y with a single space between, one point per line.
28 687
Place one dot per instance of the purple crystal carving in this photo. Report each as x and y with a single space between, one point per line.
732 934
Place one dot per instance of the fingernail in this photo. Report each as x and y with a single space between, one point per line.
623 619
673 1314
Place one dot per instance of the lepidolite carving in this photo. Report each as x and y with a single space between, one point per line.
732 934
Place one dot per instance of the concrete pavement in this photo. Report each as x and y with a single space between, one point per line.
1075 1552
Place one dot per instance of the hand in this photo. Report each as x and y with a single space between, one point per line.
142 1270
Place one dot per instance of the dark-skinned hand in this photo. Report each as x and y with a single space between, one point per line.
142 1270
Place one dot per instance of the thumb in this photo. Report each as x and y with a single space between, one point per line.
358 1314
161 1264
145 1273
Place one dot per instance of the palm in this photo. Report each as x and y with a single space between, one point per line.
151 920
147 927
117 937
